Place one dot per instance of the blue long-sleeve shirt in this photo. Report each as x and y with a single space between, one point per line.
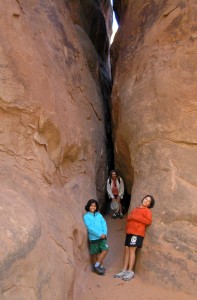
95 224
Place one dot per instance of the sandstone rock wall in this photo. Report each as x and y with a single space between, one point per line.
155 123
95 19
53 152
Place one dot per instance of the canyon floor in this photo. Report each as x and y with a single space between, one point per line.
106 287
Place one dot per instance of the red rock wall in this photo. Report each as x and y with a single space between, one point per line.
52 150
155 122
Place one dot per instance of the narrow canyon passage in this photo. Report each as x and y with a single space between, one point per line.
71 109
153 53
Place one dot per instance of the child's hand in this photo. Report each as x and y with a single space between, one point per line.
103 236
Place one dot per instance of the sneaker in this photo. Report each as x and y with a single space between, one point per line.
120 274
128 276
121 216
115 216
99 270
102 267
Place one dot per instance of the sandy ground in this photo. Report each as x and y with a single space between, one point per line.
107 288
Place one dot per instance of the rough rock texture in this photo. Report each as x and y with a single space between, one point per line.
52 148
155 124
95 19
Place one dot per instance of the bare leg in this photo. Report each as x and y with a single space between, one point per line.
126 258
123 273
120 205
101 256
132 251
94 258
97 258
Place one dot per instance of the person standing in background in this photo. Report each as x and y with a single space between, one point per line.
115 190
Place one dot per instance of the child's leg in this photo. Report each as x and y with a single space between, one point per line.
130 274
98 267
132 251
126 258
101 256
122 273
93 259
103 250
97 258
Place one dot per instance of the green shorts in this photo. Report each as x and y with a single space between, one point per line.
98 246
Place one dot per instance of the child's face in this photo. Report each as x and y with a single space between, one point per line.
92 207
146 202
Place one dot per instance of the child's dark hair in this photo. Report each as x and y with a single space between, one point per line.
152 201
90 202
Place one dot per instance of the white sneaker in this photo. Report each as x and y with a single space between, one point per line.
120 274
129 275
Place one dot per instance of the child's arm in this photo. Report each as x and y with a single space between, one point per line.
144 217
130 216
104 226
97 233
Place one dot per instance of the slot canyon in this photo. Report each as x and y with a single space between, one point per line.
73 107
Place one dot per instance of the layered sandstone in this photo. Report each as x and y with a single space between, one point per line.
155 123
53 154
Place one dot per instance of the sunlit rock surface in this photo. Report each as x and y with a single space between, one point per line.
53 146
155 124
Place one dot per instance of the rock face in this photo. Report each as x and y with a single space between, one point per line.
53 149
94 19
155 123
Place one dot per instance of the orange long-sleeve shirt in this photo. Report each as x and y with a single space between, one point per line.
137 221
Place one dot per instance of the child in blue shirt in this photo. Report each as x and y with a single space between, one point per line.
97 235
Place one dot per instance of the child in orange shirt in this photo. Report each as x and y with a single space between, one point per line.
137 220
